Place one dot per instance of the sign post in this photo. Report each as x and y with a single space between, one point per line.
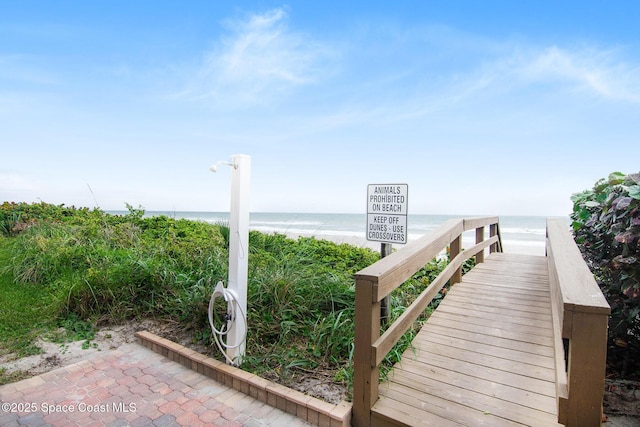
387 222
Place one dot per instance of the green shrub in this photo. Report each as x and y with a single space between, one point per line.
300 300
98 267
113 267
606 224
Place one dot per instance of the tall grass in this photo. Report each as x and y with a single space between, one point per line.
104 268
25 311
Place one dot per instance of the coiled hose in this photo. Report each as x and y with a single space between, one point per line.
233 308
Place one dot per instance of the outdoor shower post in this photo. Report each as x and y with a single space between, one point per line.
239 252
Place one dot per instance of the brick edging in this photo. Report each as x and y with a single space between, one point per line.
310 409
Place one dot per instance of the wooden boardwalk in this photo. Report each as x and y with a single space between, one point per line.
485 357
518 340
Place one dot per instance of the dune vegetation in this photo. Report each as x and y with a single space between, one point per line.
82 268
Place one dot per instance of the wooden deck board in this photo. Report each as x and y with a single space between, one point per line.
454 382
484 347
476 299
482 306
493 341
496 399
485 357
521 331
515 336
480 285
505 318
497 294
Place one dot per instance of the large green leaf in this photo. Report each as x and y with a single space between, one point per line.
584 215
634 191
616 178
575 197
601 185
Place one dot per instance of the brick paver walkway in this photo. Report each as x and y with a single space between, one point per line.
132 386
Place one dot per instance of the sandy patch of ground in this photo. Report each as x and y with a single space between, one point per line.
58 354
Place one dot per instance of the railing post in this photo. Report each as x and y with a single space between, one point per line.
454 249
586 371
583 316
493 231
480 239
367 331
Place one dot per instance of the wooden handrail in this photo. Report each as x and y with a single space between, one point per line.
392 335
380 279
580 315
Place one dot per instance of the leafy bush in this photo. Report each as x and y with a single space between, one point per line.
606 224
301 302
108 268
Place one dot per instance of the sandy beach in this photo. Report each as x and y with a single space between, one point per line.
509 246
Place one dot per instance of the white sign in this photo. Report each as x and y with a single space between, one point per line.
387 213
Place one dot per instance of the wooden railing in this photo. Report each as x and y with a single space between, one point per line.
580 315
378 280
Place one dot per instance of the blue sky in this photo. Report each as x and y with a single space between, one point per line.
492 107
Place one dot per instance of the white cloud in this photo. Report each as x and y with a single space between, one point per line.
596 70
259 62
532 79
589 70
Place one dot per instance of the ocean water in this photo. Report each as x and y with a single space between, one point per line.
520 234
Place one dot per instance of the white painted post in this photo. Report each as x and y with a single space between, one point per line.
239 253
